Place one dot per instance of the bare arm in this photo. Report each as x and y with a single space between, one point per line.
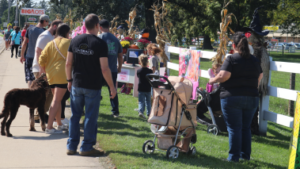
107 76
153 69
223 76
24 46
68 68
38 52
120 61
260 77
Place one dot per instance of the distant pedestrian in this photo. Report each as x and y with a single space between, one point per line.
23 33
87 64
115 55
7 33
144 87
15 41
30 39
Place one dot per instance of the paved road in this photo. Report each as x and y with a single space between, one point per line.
1 43
32 149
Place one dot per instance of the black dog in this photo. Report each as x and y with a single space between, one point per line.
34 97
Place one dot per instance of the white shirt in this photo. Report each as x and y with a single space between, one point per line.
41 43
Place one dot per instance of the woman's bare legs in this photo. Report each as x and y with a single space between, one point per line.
55 109
7 45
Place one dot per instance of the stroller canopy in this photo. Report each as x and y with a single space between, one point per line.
184 89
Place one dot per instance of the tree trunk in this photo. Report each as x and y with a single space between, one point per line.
207 43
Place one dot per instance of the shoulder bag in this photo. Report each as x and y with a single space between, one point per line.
58 50
13 41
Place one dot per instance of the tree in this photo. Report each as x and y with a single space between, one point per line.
3 6
202 17
12 13
61 9
145 5
44 5
29 4
287 15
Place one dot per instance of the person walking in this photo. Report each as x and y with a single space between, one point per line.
144 87
87 64
44 38
31 36
6 39
239 78
23 33
52 62
115 55
15 41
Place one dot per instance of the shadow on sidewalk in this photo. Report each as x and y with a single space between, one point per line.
45 137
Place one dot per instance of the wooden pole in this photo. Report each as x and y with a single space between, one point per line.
292 103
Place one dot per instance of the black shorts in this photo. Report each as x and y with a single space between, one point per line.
63 86
28 70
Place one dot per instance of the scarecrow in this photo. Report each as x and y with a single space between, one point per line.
255 37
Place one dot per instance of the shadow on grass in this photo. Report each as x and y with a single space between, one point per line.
124 133
277 140
109 117
203 161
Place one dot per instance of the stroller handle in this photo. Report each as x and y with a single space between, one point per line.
155 81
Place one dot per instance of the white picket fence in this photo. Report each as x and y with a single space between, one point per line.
265 115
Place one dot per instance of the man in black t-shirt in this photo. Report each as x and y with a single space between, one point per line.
87 55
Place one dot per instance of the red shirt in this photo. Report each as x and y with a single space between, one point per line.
23 32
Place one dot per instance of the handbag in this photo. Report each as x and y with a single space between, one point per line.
12 42
59 50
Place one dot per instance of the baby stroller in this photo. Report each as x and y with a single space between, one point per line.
211 102
173 115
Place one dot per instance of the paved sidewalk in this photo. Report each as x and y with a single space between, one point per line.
32 149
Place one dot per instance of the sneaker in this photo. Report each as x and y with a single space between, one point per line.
141 115
54 124
53 131
114 116
62 127
92 152
65 122
71 152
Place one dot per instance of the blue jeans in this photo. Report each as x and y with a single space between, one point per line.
90 99
115 101
145 99
238 113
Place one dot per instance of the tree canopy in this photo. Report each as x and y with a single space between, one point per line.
287 15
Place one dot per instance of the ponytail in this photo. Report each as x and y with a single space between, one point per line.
241 43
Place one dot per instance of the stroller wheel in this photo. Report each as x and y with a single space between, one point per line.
173 152
192 150
213 129
148 147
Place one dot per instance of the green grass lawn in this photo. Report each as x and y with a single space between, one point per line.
1 35
123 138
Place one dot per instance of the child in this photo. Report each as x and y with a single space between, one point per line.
212 73
154 52
144 87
